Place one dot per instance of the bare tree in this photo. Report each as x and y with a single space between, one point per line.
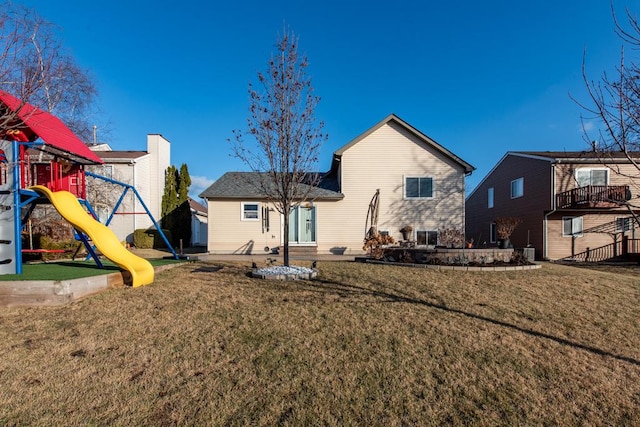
614 103
35 68
286 133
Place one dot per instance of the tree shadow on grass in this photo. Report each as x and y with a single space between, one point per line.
207 269
344 289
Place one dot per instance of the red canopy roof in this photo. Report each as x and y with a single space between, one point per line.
32 122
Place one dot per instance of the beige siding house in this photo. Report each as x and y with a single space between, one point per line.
421 183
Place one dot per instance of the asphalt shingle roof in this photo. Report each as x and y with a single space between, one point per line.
582 155
196 206
246 185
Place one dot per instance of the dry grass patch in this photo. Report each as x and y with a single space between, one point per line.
363 344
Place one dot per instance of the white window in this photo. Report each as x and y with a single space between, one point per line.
586 177
418 187
426 237
490 198
492 232
572 226
517 188
249 211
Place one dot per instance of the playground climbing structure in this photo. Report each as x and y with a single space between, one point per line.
42 161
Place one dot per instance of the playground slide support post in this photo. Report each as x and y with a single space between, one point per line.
129 186
117 205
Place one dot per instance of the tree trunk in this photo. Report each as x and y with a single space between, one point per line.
285 249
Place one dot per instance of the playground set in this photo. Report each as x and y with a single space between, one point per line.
43 161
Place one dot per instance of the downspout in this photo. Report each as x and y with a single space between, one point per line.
553 210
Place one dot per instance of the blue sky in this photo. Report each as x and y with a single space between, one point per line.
480 78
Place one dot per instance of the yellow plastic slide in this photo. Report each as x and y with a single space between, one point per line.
105 240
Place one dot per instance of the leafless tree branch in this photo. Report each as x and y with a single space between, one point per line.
35 68
286 133
613 101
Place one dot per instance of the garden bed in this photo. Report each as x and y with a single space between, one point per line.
491 259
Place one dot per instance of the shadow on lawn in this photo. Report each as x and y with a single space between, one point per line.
87 265
343 288
209 269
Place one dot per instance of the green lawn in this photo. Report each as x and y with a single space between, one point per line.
67 270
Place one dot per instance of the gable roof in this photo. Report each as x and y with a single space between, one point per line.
563 157
197 207
32 123
468 168
246 185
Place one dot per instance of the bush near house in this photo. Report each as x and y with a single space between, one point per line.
505 226
49 232
45 243
150 239
376 244
451 237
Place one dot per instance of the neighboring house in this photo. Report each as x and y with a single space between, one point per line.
567 201
144 171
421 183
198 223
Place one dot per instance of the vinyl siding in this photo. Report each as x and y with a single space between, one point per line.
142 181
618 175
160 159
125 221
538 202
381 161
146 174
530 208
227 233
121 224
559 246
198 229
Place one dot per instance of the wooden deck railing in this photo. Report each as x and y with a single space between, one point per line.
621 248
593 196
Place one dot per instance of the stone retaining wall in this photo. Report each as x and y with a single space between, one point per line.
487 267
449 256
